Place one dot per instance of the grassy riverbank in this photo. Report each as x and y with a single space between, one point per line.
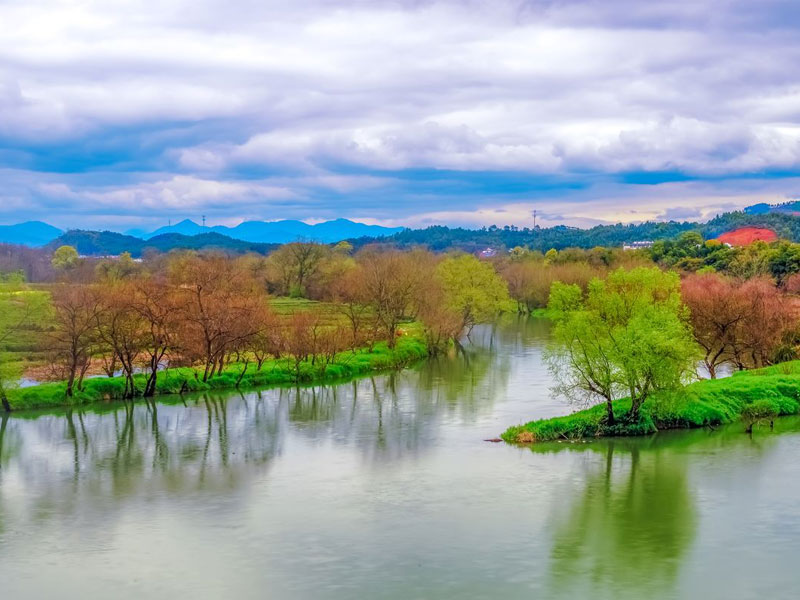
748 395
408 349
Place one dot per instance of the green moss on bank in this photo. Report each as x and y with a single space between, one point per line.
346 365
775 389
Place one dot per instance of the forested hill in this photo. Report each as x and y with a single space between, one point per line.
442 238
109 243
785 224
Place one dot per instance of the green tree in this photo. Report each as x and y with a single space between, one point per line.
472 289
115 269
65 258
784 261
626 336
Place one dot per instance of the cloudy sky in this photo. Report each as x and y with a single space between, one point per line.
126 113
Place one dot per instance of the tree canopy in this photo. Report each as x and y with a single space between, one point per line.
626 335
472 289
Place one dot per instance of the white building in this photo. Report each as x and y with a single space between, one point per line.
638 245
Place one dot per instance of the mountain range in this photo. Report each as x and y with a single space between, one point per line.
36 233
278 232
782 220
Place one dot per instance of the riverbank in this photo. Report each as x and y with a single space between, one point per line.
749 396
275 372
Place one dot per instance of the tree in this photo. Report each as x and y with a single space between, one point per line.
784 261
114 269
122 329
627 335
351 298
529 282
392 283
472 289
217 304
76 311
440 321
768 319
716 308
65 258
295 264
269 340
156 304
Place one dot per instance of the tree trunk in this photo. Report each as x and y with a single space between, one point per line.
609 412
150 386
241 375
70 383
712 370
84 369
636 403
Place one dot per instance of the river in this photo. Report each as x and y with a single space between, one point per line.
385 488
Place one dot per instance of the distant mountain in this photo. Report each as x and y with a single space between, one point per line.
762 208
31 233
281 232
185 227
109 243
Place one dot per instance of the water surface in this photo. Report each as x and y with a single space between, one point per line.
384 488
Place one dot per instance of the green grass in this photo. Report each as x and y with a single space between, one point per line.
21 344
409 349
772 391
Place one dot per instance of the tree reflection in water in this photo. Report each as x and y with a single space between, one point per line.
207 443
609 539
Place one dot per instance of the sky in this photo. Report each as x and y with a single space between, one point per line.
127 114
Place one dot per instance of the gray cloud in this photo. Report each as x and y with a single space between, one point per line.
279 106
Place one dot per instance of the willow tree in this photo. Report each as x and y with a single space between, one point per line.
472 289
626 335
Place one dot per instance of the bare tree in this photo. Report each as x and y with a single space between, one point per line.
76 312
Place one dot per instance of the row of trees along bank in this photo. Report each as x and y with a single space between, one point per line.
207 311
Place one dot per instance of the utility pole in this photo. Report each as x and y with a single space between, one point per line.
204 221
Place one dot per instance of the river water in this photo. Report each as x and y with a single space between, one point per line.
384 488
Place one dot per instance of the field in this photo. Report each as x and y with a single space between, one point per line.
24 320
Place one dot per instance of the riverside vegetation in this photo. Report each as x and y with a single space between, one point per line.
630 330
192 321
633 341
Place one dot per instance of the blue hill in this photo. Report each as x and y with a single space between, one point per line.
31 233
